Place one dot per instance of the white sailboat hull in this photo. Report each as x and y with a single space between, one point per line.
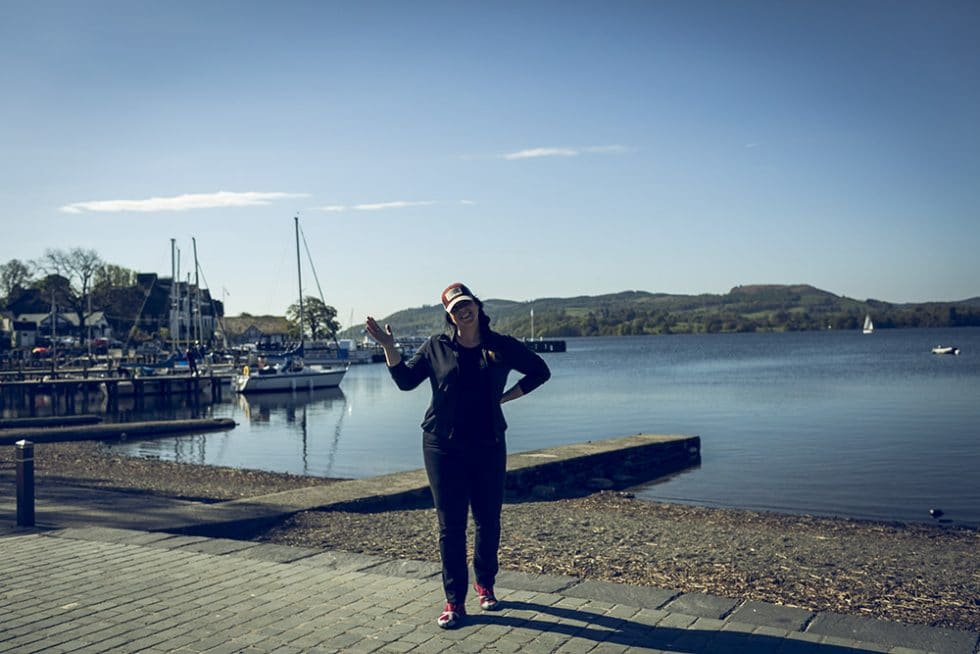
309 378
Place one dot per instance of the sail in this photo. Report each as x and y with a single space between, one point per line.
869 326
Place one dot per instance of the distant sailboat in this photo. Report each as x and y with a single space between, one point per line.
869 327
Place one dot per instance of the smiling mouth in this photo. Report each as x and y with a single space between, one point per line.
464 314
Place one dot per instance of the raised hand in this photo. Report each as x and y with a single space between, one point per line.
383 337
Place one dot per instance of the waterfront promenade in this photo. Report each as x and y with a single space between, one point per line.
106 571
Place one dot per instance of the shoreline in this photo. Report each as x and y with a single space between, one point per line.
895 571
906 572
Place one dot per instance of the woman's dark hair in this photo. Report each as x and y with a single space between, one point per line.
484 318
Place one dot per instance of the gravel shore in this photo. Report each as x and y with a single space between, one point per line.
915 573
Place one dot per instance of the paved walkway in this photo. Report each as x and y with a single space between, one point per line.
105 589
98 589
124 572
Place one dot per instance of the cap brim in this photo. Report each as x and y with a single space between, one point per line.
456 300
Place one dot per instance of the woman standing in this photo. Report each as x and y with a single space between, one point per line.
463 434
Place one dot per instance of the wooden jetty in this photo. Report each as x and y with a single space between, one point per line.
116 430
50 421
69 389
545 345
565 471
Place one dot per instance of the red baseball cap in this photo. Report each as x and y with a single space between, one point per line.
454 294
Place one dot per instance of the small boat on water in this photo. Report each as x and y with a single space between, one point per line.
289 373
869 327
946 349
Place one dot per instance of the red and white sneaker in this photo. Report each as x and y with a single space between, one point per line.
451 616
487 600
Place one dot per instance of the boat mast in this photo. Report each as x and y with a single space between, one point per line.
196 312
174 303
299 278
180 301
54 336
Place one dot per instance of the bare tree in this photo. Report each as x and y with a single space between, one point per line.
79 267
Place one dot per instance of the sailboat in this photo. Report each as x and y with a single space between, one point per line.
290 373
869 327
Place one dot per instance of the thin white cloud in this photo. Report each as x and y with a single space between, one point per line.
381 206
398 204
534 153
186 202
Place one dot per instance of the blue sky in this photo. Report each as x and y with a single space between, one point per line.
529 149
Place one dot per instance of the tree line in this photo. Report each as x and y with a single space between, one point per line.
758 308
77 281
605 322
80 282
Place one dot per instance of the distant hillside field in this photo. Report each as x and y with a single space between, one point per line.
756 308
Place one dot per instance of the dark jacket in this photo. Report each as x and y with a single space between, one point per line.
437 361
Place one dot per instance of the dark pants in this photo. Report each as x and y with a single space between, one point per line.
463 476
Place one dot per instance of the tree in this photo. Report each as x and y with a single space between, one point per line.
121 308
112 275
79 267
54 288
320 319
115 292
15 276
53 291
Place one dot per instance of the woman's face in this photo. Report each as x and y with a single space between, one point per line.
465 314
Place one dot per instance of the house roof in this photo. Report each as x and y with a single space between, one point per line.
94 318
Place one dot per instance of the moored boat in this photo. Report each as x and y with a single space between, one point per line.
946 349
289 373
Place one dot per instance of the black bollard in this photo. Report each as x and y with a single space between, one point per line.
25 483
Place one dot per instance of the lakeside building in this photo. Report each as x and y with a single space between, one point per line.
186 311
155 307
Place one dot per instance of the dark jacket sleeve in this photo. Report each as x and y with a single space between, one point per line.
409 374
524 361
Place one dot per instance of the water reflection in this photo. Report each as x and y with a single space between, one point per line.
303 411
157 407
259 407
296 432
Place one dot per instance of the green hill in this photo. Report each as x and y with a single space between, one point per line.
755 308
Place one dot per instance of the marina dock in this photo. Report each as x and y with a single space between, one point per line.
74 392
545 345
112 431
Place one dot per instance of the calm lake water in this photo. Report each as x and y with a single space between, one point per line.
825 423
